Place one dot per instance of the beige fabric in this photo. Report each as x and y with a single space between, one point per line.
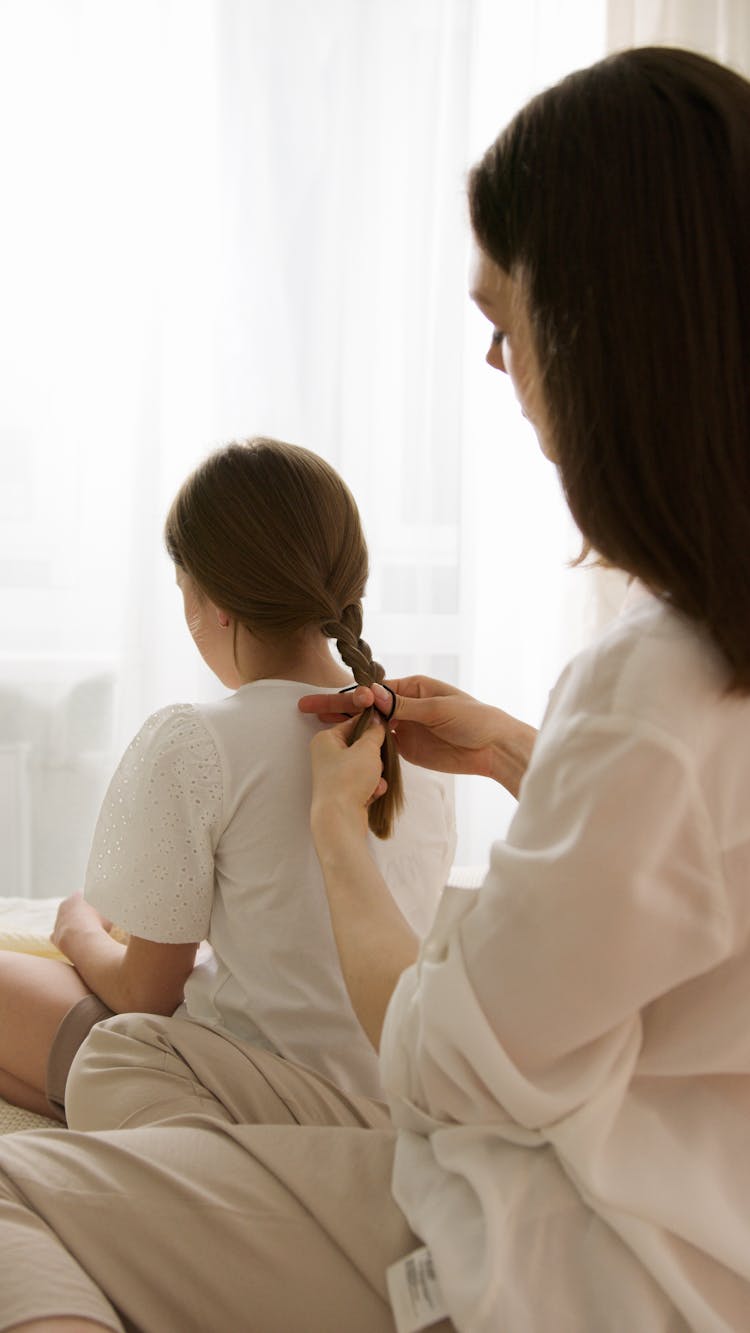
73 1030
194 1217
140 1069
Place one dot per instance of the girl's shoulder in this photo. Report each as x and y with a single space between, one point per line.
172 731
166 725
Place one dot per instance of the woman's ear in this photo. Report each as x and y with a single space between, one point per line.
223 618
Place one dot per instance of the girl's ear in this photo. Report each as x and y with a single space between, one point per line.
223 618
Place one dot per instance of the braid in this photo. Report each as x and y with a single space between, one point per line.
347 631
357 654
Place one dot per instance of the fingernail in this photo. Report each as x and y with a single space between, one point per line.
380 693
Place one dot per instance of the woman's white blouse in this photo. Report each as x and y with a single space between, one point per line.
569 1060
205 834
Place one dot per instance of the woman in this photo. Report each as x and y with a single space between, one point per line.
567 1064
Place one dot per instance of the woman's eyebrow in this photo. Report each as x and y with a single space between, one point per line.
481 298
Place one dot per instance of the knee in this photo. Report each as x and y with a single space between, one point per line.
118 1045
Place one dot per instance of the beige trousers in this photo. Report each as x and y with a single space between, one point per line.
243 1195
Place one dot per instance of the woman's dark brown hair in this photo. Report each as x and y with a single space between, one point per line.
621 198
272 535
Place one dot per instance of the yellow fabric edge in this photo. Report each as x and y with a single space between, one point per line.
16 942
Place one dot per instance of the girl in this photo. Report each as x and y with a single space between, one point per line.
204 832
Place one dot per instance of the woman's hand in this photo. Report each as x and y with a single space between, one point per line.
75 918
373 940
438 726
346 778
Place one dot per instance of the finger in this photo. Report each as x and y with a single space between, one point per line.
330 707
322 704
399 707
384 700
379 791
363 697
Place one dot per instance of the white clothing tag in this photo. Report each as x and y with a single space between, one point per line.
416 1298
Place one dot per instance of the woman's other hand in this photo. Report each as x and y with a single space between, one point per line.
440 727
346 778
373 940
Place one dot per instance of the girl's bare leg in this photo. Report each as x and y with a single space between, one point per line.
35 995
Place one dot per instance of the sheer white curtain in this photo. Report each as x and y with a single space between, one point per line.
718 28
225 217
525 610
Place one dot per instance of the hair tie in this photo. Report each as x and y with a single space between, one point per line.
348 688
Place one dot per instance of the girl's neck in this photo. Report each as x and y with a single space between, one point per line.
304 657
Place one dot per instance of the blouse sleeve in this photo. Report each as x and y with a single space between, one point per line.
151 867
607 893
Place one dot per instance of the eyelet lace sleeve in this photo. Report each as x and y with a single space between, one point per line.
151 868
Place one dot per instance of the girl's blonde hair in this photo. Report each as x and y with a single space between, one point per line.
272 535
